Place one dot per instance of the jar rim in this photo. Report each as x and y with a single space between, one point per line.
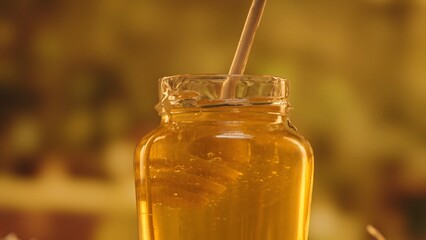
224 76
203 91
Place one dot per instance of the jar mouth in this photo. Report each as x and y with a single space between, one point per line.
203 91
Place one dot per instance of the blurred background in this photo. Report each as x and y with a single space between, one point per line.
78 83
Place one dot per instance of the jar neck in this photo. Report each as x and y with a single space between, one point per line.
250 114
195 98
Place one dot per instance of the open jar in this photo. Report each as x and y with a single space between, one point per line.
223 169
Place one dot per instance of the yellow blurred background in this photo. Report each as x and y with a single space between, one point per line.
78 83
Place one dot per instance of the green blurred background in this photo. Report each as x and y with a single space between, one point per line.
78 83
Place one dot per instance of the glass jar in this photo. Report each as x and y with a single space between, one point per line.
223 169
